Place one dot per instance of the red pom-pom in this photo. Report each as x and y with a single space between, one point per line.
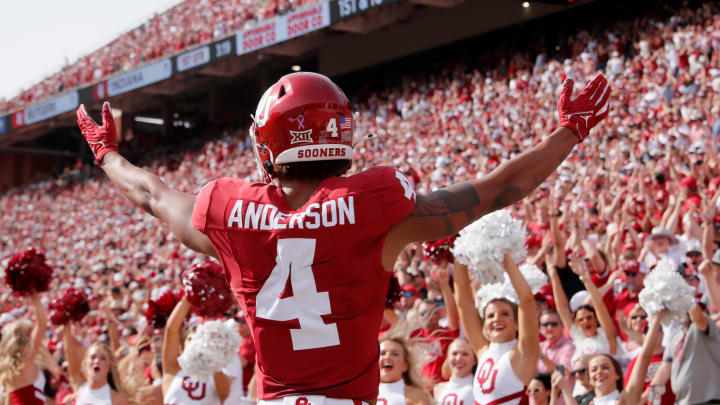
394 293
27 271
158 310
439 250
72 305
207 290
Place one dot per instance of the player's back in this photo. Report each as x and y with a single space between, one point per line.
310 280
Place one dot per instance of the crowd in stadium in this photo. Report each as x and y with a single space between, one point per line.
183 26
643 187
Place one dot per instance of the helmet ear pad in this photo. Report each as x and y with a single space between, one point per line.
268 166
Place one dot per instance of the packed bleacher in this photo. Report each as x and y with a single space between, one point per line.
640 191
183 26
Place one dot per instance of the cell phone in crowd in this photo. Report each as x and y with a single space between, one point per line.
560 369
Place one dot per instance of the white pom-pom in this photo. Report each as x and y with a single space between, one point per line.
210 348
666 289
535 277
493 291
482 245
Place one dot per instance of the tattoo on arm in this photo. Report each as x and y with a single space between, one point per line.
510 194
460 197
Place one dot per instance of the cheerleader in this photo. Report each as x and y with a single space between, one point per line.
461 361
505 337
606 376
93 372
20 377
400 383
179 388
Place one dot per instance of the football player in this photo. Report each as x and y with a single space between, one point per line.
309 253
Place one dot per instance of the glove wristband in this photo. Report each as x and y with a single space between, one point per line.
575 130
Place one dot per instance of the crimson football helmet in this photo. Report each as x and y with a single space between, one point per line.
303 117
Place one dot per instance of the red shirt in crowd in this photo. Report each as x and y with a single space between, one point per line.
310 280
656 361
437 342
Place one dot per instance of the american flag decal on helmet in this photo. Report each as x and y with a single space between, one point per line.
345 123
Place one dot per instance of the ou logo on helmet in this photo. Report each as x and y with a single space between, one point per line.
487 375
262 113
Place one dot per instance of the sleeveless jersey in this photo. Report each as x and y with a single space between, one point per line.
457 391
392 393
495 381
310 280
32 394
100 396
185 390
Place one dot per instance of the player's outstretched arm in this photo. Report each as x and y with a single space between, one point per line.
144 189
446 211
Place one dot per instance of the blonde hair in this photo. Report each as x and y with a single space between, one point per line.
113 376
411 375
132 379
15 338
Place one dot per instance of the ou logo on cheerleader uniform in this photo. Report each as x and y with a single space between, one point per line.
190 386
451 399
487 375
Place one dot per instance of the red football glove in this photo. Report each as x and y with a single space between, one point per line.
101 138
583 113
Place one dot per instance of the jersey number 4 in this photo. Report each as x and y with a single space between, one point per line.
294 258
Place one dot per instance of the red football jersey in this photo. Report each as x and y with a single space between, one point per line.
311 280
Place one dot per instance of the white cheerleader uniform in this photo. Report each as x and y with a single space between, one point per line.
457 392
185 390
87 396
495 381
392 393
609 399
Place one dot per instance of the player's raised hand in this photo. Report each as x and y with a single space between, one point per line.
583 113
101 138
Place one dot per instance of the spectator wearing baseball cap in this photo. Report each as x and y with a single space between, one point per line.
661 244
410 294
693 198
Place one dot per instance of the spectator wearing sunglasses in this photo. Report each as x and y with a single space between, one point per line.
538 392
624 285
408 297
634 327
638 321
437 337
556 349
582 390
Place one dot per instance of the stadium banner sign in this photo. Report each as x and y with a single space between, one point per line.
136 79
279 29
3 125
308 19
260 36
344 9
196 57
223 48
47 109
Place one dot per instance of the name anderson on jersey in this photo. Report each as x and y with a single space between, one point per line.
252 215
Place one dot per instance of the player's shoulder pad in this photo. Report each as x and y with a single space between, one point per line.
215 190
386 179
